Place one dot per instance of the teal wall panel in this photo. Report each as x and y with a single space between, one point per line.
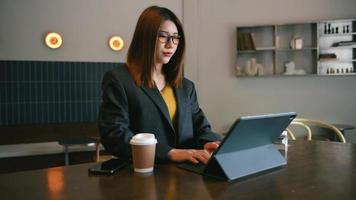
36 92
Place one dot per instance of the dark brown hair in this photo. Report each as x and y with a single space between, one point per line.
141 53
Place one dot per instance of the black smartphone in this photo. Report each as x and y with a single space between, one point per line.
108 167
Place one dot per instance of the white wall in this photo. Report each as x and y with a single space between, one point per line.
85 26
211 60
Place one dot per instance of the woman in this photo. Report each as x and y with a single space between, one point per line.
150 95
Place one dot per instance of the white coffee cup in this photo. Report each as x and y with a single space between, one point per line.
143 147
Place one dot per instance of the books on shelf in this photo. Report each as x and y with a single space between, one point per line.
245 42
327 57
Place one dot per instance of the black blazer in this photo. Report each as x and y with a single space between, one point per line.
128 109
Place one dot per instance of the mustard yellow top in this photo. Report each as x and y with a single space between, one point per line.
170 99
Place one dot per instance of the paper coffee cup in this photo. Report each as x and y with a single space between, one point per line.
143 147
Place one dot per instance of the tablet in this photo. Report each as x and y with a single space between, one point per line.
248 148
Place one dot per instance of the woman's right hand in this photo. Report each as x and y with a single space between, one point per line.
191 155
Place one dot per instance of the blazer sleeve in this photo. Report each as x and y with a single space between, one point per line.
113 119
201 126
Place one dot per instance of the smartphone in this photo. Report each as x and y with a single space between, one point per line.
108 167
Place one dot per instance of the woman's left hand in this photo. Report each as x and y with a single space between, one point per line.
210 147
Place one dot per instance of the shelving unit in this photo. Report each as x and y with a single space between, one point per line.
263 49
296 49
337 38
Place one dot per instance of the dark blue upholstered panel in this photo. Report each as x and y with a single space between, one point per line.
37 92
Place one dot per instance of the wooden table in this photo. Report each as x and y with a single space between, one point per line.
315 170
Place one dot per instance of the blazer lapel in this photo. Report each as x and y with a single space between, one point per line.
182 104
157 99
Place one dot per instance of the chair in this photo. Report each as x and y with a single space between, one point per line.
308 123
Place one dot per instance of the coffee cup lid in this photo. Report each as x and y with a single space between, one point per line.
143 139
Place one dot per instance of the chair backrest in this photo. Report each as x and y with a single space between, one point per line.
308 123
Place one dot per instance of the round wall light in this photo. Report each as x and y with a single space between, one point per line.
116 43
53 40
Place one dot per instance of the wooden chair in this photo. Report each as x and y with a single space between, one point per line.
308 123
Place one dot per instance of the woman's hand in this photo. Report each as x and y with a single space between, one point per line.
210 147
194 155
191 155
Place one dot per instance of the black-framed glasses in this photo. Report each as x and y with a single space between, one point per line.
164 37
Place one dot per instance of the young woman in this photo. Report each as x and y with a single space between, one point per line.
149 94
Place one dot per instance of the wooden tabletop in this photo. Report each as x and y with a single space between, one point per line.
315 170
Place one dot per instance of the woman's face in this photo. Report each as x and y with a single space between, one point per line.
167 42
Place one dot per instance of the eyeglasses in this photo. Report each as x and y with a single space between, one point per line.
164 37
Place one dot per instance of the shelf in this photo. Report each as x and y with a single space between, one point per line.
303 49
257 50
344 74
339 47
266 49
295 75
337 35
337 60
